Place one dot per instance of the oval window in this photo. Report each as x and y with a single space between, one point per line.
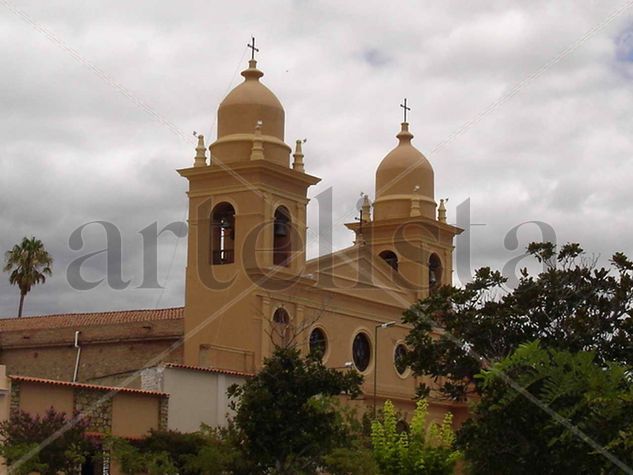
400 359
318 343
361 351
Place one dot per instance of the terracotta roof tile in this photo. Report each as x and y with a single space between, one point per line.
95 387
89 319
209 370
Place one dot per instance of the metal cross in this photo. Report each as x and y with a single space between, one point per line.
404 106
252 47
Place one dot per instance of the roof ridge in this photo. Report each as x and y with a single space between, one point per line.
96 387
106 312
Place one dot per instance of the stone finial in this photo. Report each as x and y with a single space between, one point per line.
201 153
366 209
441 211
415 202
298 156
257 152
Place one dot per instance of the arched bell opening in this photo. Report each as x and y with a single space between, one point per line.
223 234
435 273
390 258
282 241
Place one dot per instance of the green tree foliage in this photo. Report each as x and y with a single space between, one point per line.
22 434
423 450
133 460
206 452
29 264
571 305
511 434
286 414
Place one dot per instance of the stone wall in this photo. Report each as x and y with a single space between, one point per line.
14 405
109 353
97 407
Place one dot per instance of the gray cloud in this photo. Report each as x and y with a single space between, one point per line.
74 150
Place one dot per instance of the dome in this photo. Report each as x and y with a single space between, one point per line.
239 113
404 177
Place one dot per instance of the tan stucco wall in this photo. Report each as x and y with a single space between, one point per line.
38 398
5 402
134 415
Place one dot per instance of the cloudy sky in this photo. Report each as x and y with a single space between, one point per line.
524 111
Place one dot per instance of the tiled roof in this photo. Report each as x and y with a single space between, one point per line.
89 319
209 370
95 387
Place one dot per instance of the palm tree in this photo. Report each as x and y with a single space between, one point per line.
29 264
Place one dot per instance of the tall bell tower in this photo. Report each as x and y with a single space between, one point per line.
247 224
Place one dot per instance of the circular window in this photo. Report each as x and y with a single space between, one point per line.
361 351
318 343
400 359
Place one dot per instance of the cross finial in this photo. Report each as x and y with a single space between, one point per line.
404 106
252 47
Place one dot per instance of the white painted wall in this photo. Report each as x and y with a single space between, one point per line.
195 396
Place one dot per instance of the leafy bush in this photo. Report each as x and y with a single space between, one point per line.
420 451
48 444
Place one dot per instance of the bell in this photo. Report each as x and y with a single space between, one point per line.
281 228
224 223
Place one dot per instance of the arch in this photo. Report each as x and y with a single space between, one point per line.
318 343
223 234
435 272
390 258
361 351
281 331
282 242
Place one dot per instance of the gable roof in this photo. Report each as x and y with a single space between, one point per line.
228 372
90 319
94 387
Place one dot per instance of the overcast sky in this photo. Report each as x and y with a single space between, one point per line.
524 110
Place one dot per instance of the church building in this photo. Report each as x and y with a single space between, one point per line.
249 285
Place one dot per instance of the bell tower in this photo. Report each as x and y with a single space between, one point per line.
405 231
247 225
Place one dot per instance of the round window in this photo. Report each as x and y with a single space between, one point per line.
318 343
400 358
361 351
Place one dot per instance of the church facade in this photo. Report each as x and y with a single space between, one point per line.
249 285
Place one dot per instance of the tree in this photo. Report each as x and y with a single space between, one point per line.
286 414
420 451
29 264
571 305
550 411
22 433
206 452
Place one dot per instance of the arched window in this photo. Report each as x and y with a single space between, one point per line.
281 327
361 351
223 234
435 272
282 243
390 258
318 343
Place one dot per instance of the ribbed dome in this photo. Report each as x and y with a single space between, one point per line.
238 115
404 175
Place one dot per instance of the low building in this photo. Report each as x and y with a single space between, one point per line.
197 395
123 412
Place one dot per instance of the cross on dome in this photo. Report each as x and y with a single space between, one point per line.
252 47
404 106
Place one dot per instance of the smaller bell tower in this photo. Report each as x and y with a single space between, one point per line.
405 231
